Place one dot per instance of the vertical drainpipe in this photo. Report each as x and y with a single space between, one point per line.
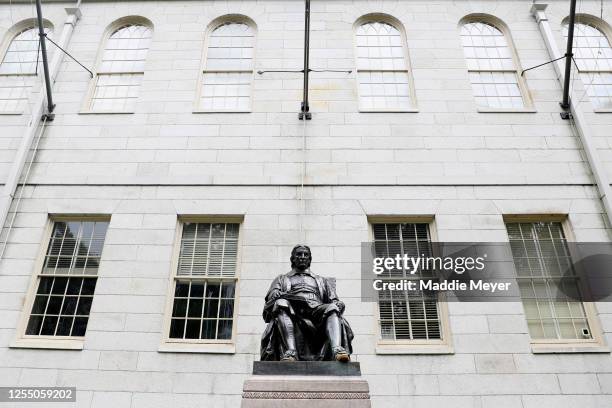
577 115
33 126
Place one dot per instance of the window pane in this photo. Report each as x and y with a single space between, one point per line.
59 309
405 316
34 325
230 47
21 56
79 326
592 53
226 91
126 49
14 92
384 90
379 47
599 88
49 326
67 241
496 89
208 250
539 249
116 92
492 70
225 330
177 328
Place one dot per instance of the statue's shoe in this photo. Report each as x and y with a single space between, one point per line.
341 355
289 355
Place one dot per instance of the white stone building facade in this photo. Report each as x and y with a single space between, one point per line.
442 156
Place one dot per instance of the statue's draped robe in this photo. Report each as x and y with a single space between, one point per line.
311 338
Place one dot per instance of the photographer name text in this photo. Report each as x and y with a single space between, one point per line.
430 285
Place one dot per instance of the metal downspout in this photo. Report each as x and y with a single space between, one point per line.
584 131
38 109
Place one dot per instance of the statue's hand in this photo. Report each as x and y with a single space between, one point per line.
275 295
340 305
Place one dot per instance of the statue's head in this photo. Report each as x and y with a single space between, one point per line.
301 257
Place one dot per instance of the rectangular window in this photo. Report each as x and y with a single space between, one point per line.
406 315
541 259
205 282
67 280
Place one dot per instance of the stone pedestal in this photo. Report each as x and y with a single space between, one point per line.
306 384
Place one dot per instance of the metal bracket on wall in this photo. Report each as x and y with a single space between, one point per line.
48 116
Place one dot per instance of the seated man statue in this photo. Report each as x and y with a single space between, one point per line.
304 316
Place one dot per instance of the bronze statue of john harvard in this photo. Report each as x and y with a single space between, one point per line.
304 316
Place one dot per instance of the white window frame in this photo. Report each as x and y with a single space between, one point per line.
596 344
110 30
10 35
216 23
528 105
419 346
212 346
22 340
385 18
606 30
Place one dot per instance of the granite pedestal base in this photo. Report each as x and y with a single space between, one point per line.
306 384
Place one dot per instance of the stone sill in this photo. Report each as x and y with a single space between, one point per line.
51 344
389 111
221 111
205 348
86 112
568 348
508 110
399 349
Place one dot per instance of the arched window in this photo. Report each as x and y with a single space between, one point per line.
382 68
491 65
228 68
19 68
593 56
121 68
